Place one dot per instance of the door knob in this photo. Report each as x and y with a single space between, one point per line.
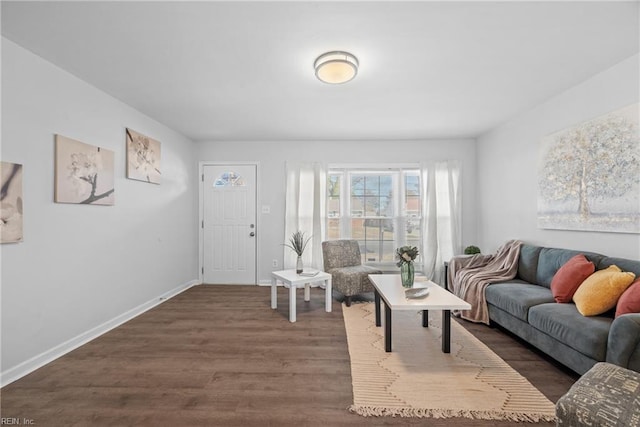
252 234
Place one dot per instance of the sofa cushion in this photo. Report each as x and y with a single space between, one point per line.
528 263
624 264
600 291
588 335
629 301
517 296
568 277
551 259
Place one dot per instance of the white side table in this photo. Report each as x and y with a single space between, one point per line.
291 280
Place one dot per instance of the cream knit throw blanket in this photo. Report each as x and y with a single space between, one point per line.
470 276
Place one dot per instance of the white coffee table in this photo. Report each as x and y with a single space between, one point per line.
290 279
388 287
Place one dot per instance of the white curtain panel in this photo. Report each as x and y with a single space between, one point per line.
441 230
305 208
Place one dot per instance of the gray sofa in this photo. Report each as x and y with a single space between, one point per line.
526 307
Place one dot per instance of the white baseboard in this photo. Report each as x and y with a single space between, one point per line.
28 366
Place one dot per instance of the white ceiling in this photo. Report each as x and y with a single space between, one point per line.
244 70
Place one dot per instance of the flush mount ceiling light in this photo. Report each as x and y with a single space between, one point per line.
336 67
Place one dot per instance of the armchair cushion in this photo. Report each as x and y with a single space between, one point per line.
353 280
340 253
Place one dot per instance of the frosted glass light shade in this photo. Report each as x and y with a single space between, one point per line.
336 67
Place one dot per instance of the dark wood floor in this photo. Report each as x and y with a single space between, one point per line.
218 355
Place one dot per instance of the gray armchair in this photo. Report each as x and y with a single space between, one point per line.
348 275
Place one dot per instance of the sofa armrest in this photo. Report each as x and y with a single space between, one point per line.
623 347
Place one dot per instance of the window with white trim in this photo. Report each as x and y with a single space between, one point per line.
378 207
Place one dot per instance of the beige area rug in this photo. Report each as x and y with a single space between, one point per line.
417 380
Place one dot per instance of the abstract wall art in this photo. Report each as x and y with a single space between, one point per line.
84 173
10 202
589 175
143 158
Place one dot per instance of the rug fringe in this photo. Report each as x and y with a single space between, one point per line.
377 411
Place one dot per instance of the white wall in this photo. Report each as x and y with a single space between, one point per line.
507 165
273 155
81 266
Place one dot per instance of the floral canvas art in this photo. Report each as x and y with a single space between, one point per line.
589 175
143 158
10 202
84 173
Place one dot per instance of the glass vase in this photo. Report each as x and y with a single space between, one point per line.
406 274
299 265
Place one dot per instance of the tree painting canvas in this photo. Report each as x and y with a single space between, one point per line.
589 175
84 173
10 202
143 157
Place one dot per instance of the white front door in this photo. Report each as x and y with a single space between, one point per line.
229 224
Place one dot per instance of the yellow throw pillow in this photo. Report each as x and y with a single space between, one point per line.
600 291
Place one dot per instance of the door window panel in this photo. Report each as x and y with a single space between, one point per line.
229 179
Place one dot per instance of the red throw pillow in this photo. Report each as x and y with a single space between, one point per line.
629 301
569 277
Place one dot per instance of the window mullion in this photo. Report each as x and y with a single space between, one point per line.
345 205
402 214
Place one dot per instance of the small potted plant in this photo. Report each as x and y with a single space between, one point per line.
471 250
405 256
298 243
